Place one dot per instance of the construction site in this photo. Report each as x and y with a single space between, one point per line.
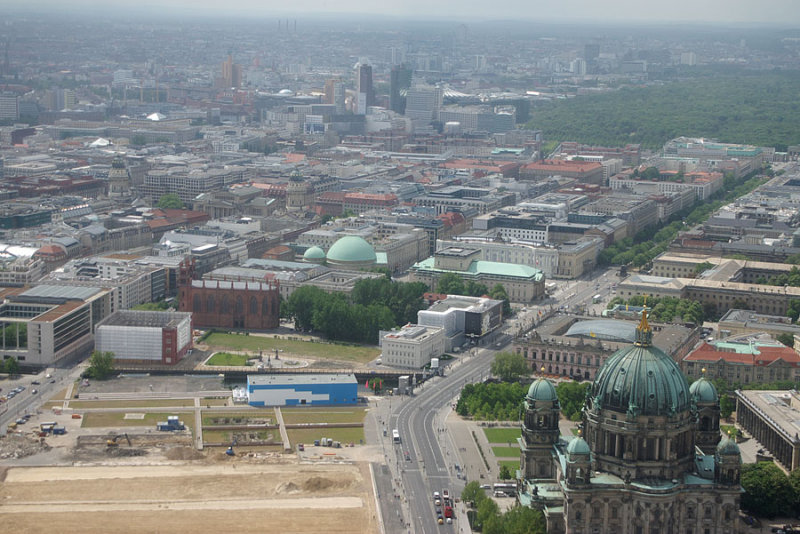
172 459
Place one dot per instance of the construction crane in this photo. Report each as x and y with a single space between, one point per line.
114 443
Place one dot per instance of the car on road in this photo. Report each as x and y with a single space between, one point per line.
35 383
52 380
21 421
34 391
440 519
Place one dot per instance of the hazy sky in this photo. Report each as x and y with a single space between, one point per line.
781 12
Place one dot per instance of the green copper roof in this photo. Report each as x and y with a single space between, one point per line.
351 249
314 253
641 380
703 390
727 447
511 270
578 446
542 390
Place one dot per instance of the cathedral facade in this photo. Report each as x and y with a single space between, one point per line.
648 458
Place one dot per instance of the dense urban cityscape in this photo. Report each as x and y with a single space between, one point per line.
324 270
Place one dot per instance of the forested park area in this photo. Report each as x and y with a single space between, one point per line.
733 106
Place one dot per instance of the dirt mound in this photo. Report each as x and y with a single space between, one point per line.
287 487
322 484
20 446
183 453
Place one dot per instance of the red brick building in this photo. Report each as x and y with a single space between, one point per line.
229 304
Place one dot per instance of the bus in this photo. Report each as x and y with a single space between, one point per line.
396 436
508 488
596 299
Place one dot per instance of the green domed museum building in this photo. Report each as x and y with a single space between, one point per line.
648 459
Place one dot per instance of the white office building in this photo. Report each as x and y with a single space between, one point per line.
412 346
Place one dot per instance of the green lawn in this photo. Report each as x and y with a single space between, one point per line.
323 415
513 465
152 403
228 359
502 435
94 419
308 435
729 430
505 452
326 351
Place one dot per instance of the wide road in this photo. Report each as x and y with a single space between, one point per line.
429 468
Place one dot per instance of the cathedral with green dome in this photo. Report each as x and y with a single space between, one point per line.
648 458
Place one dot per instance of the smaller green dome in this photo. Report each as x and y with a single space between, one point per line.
542 390
578 447
727 447
314 253
703 391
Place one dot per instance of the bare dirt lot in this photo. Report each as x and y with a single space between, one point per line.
229 496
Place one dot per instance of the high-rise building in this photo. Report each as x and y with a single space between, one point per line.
9 106
365 94
688 58
424 103
335 94
231 74
396 56
591 52
399 80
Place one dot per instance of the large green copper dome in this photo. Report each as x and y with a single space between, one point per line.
351 249
641 380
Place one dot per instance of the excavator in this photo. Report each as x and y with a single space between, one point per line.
112 442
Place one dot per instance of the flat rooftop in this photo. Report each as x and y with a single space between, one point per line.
781 408
300 379
145 318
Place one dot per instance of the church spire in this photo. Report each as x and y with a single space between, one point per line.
644 334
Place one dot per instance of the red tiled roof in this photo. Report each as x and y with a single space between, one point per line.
767 356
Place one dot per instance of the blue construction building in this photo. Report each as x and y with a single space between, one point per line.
302 390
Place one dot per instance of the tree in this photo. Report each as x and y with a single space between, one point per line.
523 520
793 312
11 366
170 201
375 384
101 364
509 366
700 268
472 493
498 292
786 338
505 472
450 284
571 396
768 491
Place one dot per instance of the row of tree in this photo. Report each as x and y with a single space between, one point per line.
666 309
484 514
374 305
652 241
492 401
452 284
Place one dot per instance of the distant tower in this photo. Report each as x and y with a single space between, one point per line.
119 179
365 94
231 74
297 192
335 94
400 80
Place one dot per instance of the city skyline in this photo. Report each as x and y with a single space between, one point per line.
773 12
